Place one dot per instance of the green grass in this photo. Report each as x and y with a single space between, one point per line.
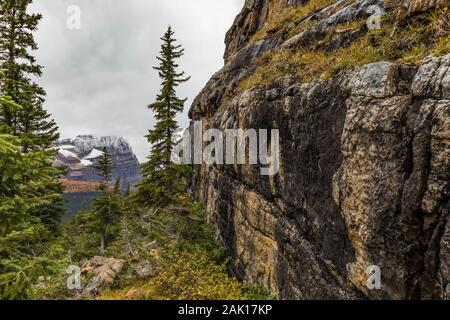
187 261
189 265
442 46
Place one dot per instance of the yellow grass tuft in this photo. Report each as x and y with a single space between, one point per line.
408 44
287 20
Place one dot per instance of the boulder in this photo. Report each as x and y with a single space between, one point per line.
101 271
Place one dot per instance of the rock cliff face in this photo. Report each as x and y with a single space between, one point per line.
364 166
79 156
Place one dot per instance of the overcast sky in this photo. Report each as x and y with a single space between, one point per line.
99 79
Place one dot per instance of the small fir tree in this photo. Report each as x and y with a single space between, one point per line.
104 168
107 208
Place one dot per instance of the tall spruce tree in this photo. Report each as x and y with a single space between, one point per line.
32 124
22 113
162 180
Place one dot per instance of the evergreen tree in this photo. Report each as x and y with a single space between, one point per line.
163 181
31 123
107 208
48 212
104 168
117 189
6 103
26 188
21 108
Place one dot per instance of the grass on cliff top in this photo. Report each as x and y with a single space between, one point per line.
427 34
287 21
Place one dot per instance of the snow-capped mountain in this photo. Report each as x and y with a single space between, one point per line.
79 155
85 144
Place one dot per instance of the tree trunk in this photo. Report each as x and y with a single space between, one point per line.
126 234
102 244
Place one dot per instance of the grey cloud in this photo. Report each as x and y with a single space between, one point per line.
99 79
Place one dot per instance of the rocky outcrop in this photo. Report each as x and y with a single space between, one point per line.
407 8
252 17
363 180
392 185
79 155
101 272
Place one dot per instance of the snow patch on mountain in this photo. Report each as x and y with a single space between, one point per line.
66 147
67 154
95 153
86 163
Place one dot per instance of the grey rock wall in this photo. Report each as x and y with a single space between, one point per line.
364 175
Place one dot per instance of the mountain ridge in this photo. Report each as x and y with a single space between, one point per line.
80 154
